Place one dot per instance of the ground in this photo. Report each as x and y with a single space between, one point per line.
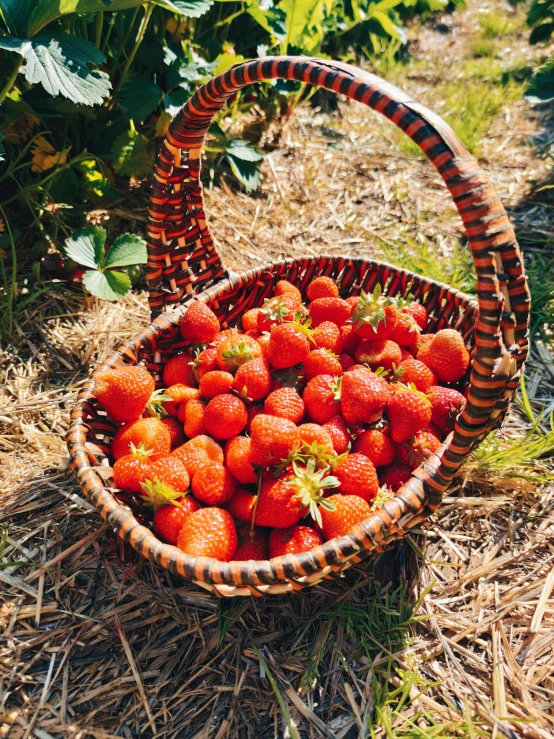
449 633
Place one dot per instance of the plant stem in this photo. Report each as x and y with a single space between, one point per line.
13 286
131 24
99 26
140 35
109 32
9 84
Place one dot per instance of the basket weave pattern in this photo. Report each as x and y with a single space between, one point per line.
184 264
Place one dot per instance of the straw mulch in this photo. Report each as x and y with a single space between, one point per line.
450 633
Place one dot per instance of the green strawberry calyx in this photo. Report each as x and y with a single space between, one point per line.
383 494
275 309
238 355
154 407
310 486
140 451
158 494
371 309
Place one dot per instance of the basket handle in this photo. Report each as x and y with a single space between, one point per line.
183 259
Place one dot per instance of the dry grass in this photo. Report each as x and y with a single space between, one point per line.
449 633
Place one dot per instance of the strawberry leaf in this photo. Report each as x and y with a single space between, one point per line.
126 250
133 155
139 98
86 247
107 285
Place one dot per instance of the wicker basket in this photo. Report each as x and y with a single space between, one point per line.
184 264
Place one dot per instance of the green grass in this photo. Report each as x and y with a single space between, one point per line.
493 24
539 266
482 48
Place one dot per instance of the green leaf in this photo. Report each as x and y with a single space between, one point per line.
59 62
107 285
2 150
125 251
241 149
227 60
388 25
247 173
174 101
133 155
86 247
539 10
14 44
541 87
64 187
16 14
541 33
139 98
46 11
297 14
192 8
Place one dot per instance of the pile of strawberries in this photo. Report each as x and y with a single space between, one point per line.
270 440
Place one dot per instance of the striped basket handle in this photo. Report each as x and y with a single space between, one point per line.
183 259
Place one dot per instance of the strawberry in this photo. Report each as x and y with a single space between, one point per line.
349 511
290 377
170 519
394 475
322 287
175 431
409 411
314 433
209 532
206 361
197 451
293 540
179 396
377 445
253 334
335 310
385 353
225 416
250 319
199 325
286 288
272 439
236 351
287 346
363 396
227 333
213 484
446 403
413 372
132 469
285 403
253 544
406 331
238 460
215 383
241 506
252 380
124 391
328 336
263 341
195 411
179 371
253 411
276 311
170 471
322 362
350 338
418 312
337 430
375 316
418 448
148 431
346 362
357 476
321 398
446 355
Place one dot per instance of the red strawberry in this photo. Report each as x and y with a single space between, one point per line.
253 411
321 398
286 288
238 460
263 341
170 471
197 451
418 312
290 377
178 371
337 430
287 346
272 439
446 355
252 380
236 351
180 395
124 391
241 506
377 354
199 325
225 416
285 403
335 310
413 372
195 411
313 433
350 338
322 362
418 448
357 476
294 540
346 362
349 511
406 331
375 316
377 445
132 469
250 319
322 287
175 431
395 475
209 532
363 396
213 484
170 519
253 544
215 383
409 412
446 403
206 361
227 333
328 336
277 310
148 431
